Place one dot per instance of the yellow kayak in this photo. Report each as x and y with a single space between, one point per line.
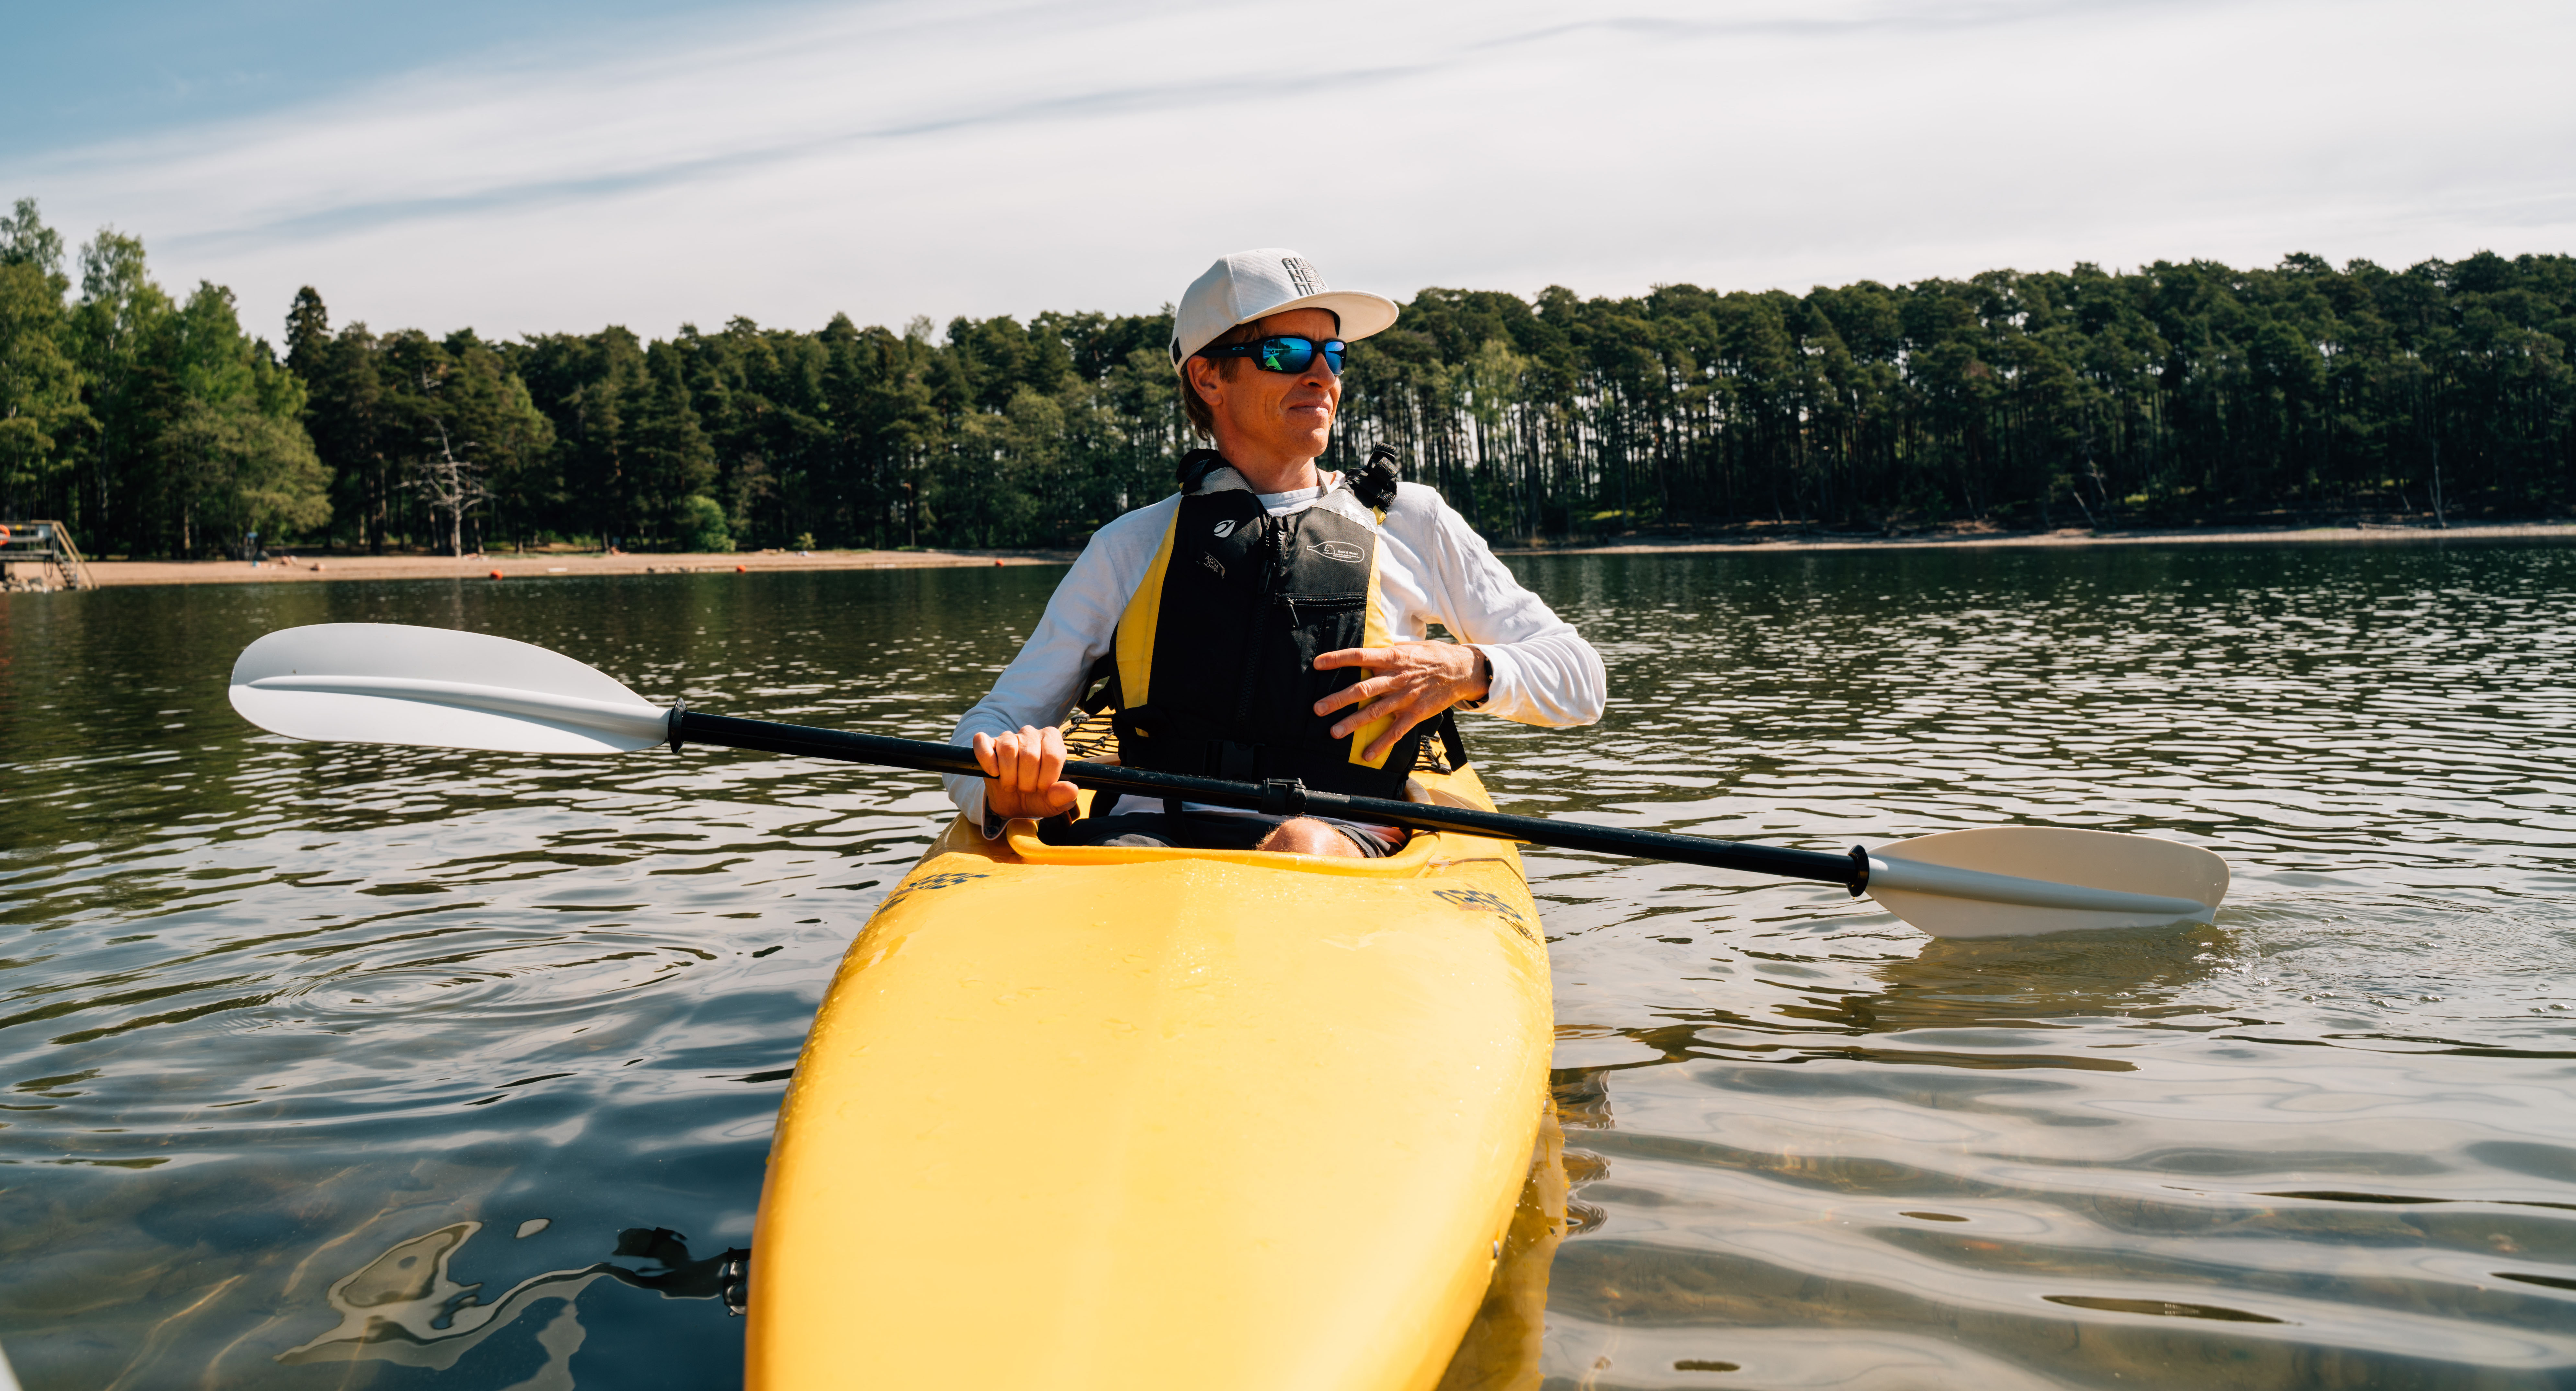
1080 1117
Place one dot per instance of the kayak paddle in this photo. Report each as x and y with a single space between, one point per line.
386 683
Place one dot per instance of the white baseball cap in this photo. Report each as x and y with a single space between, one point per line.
1249 285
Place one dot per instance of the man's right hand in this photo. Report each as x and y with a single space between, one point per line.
1024 773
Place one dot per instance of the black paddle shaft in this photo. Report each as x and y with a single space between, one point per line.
1282 799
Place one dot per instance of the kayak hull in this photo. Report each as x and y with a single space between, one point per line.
1081 1117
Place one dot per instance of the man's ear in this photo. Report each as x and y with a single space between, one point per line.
1205 376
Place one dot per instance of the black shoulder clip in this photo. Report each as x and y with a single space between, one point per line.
1375 483
1196 466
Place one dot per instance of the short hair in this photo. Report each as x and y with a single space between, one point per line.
1195 406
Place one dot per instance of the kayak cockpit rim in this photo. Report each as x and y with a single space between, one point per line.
1422 852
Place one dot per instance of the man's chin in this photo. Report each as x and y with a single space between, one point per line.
1315 426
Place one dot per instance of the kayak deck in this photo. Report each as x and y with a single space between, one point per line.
1093 1117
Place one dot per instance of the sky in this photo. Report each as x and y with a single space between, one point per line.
528 168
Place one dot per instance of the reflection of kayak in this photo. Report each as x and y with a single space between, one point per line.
1091 1117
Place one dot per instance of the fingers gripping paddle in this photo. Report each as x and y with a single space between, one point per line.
384 683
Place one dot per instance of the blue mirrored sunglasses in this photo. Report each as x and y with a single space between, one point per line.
1286 353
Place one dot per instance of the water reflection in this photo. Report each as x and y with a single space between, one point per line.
1505 1345
403 1307
1963 984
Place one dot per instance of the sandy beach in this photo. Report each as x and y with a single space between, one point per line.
536 566
486 568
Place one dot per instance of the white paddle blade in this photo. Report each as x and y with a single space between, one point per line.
2018 881
390 683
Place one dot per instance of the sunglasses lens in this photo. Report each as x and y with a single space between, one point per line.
1293 354
1285 354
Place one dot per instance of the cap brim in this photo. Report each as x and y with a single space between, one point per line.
1359 314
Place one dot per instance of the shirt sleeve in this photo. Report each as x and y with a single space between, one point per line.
1041 684
1544 672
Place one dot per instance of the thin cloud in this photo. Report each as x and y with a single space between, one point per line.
1015 157
1900 18
736 163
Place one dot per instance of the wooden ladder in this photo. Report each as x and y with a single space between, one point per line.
49 543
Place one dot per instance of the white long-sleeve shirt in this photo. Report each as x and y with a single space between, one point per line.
1431 568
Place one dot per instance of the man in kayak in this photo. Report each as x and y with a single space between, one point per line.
1268 620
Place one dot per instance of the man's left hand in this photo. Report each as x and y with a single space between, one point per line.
1412 682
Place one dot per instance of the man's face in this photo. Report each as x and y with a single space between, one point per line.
1271 414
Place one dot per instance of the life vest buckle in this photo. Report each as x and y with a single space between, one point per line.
1237 761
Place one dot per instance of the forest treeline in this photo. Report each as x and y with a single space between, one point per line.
156 425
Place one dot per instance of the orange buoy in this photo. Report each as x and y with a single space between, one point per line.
740 568
997 560
496 574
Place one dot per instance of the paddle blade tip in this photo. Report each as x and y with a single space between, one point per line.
436 687
1934 884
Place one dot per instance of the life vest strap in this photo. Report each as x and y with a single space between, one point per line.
1100 685
1238 761
1453 746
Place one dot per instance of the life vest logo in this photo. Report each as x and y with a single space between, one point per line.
1225 528
1342 551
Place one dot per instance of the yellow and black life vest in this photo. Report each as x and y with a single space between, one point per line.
1216 652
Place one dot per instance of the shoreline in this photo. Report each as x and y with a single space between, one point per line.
2348 533
312 569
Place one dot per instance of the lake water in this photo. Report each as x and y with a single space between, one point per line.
294 1036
